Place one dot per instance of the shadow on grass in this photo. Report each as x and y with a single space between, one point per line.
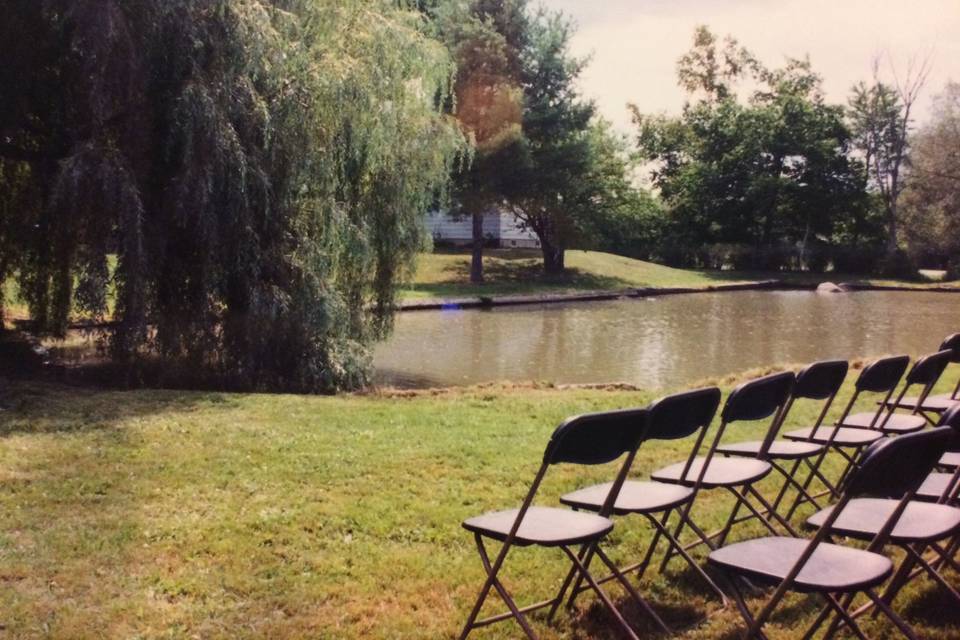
38 407
515 272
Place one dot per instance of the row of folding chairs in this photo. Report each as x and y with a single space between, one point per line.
891 464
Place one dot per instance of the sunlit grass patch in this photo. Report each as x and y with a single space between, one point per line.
163 514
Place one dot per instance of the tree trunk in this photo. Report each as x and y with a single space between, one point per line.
476 262
553 257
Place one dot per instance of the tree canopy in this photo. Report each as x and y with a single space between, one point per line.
931 207
259 168
753 173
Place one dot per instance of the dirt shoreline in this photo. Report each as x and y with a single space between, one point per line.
481 302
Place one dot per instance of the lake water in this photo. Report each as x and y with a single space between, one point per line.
661 342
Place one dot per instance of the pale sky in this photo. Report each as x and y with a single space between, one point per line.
635 44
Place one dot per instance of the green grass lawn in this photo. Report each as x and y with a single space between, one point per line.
160 514
518 271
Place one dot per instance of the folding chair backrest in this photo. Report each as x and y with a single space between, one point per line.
894 467
951 418
758 399
880 376
596 438
927 370
952 342
821 380
883 375
682 414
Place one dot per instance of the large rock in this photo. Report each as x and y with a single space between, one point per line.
829 287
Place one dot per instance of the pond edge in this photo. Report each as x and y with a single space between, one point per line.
481 302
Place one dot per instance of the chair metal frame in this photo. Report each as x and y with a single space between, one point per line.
950 343
880 376
943 555
926 371
910 457
753 400
669 418
817 381
572 442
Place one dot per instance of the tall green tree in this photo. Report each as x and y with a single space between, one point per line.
485 38
759 171
259 167
930 212
881 116
548 187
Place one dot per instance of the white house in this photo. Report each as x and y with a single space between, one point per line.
500 227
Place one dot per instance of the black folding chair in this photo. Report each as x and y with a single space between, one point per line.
922 526
819 381
940 402
880 376
671 418
892 467
943 485
584 440
758 399
925 372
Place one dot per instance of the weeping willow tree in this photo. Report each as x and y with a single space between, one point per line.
258 167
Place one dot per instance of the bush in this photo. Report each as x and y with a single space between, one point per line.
855 259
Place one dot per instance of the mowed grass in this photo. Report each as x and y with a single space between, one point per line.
160 514
446 274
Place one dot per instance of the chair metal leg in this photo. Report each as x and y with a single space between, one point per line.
904 628
722 537
585 552
842 614
492 581
659 530
783 488
601 594
790 480
691 562
753 630
815 472
939 579
632 591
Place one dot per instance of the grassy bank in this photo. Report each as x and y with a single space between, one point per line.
157 514
517 271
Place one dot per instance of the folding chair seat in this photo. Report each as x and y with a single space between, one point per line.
819 381
892 467
758 399
591 439
830 569
671 418
863 518
720 472
544 526
897 423
925 372
779 450
836 436
635 497
934 486
940 402
950 460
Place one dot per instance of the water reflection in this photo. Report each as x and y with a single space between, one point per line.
659 342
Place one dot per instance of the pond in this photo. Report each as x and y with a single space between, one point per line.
661 342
